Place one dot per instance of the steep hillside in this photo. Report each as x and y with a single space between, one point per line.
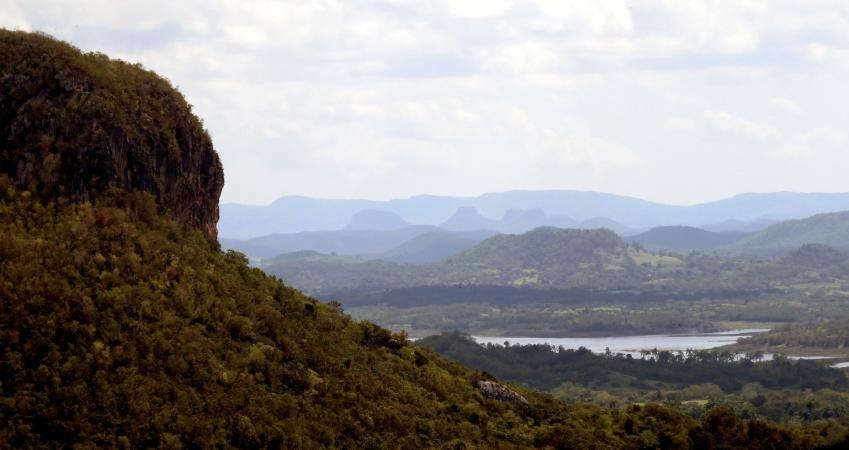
125 330
121 327
827 229
81 125
685 239
319 273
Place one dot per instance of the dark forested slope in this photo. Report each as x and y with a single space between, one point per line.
80 125
121 329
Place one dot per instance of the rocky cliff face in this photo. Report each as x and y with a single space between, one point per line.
87 128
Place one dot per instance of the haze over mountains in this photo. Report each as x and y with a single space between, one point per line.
386 234
681 239
519 211
826 229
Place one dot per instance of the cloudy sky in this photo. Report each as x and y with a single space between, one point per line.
670 100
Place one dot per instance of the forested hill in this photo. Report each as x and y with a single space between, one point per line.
827 229
544 247
80 126
541 258
682 239
122 325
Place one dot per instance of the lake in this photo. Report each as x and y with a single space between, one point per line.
633 344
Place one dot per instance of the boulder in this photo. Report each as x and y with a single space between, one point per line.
497 391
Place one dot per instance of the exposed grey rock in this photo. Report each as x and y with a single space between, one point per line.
497 391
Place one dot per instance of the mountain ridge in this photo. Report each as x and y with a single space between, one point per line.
831 229
290 214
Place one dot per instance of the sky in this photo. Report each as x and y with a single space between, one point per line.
675 101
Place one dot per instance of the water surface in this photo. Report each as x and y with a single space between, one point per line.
633 344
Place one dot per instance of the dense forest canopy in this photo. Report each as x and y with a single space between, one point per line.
693 381
78 125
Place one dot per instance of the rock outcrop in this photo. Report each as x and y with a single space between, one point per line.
85 127
497 391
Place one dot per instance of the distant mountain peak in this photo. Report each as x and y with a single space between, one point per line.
520 210
373 219
467 218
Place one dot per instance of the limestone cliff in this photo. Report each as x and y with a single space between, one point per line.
85 127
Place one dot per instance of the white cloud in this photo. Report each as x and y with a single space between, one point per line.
680 124
398 97
12 18
785 105
828 55
823 136
727 123
478 8
814 143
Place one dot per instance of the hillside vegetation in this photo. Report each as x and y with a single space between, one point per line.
541 258
131 330
127 329
833 334
828 229
682 239
692 381
80 125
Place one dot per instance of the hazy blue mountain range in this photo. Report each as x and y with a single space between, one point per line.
681 239
595 260
372 244
432 247
740 225
296 214
372 219
517 221
827 229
